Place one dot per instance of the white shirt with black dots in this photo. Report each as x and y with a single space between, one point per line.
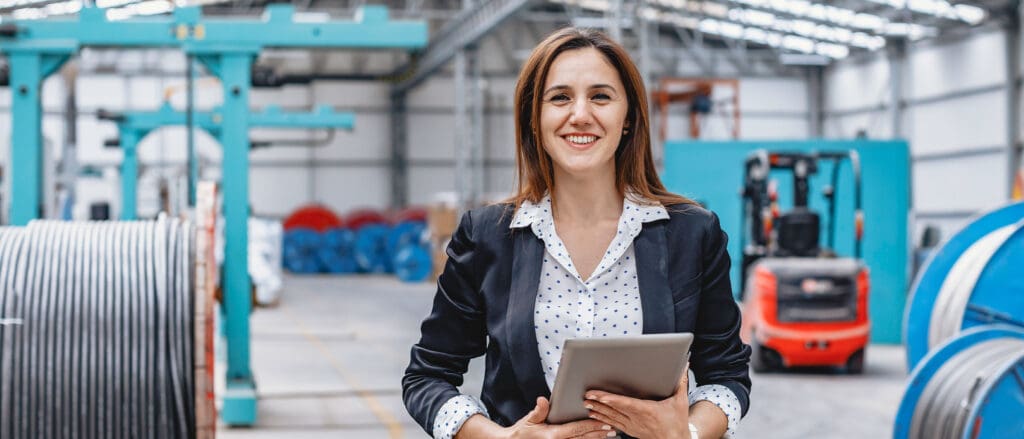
567 306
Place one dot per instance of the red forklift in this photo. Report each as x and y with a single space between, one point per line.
803 304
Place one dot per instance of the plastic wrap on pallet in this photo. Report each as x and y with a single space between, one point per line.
265 254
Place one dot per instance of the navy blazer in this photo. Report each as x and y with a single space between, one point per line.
485 305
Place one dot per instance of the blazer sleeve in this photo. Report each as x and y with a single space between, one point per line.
453 333
718 354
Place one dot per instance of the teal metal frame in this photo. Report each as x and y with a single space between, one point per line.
227 48
136 125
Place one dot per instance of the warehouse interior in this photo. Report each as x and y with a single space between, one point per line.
227 218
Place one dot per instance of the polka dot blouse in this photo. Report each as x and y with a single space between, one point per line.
568 306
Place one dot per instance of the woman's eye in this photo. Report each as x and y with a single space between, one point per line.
601 97
559 98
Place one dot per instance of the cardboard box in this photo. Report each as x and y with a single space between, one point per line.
442 219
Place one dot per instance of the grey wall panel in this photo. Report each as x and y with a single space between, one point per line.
876 124
370 139
91 135
969 122
769 94
436 92
349 94
288 96
101 91
278 191
431 136
968 183
854 85
169 145
501 182
425 182
501 138
53 94
145 93
979 60
760 128
344 189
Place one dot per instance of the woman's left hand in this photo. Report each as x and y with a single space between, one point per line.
640 418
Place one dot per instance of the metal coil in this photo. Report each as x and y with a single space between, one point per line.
951 303
945 405
97 340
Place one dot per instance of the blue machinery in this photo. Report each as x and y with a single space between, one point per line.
136 125
227 47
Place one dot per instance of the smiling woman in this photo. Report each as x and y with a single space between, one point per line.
590 245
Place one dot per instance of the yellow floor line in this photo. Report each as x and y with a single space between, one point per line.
382 414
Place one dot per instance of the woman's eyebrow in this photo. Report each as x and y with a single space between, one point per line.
566 87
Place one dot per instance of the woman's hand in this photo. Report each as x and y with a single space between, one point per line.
668 418
533 426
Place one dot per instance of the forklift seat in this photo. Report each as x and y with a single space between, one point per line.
799 231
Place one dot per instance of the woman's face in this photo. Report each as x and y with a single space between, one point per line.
583 113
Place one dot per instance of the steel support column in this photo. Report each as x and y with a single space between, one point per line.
233 68
129 173
897 55
1013 97
816 101
399 149
28 69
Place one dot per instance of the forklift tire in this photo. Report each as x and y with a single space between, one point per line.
758 362
855 365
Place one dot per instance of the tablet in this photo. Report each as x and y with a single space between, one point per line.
642 366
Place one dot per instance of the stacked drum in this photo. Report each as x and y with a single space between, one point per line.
964 331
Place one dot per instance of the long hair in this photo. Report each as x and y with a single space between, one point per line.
635 174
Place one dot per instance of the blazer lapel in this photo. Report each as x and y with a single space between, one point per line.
527 257
651 247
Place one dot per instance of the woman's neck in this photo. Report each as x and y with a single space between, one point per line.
585 200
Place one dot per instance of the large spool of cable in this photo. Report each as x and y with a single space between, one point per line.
973 279
969 387
100 340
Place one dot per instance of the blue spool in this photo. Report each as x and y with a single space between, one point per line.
996 413
403 234
998 295
337 251
412 263
299 251
371 249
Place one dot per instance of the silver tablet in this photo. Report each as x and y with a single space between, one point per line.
642 366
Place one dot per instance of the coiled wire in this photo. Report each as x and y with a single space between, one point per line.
951 302
97 340
950 395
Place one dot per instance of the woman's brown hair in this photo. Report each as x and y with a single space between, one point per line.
634 165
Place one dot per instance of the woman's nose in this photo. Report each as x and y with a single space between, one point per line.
581 113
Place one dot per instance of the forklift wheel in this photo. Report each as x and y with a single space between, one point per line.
855 365
763 359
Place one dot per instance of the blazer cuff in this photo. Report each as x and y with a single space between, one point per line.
725 399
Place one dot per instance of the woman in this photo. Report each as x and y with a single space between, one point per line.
591 245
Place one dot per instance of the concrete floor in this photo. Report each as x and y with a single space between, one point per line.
329 358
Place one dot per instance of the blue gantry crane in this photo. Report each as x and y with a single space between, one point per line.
133 126
226 47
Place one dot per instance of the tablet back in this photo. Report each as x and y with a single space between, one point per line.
643 366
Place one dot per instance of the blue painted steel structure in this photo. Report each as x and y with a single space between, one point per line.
997 407
227 48
998 295
136 125
711 172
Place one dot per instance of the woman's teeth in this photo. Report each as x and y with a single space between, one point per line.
581 140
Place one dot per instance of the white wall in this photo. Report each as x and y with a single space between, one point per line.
954 117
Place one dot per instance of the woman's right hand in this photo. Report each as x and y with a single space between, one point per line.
533 426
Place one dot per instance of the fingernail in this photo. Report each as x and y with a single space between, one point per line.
606 427
611 434
589 407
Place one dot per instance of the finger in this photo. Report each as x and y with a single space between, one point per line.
539 414
618 418
598 435
617 402
580 428
683 387
608 421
